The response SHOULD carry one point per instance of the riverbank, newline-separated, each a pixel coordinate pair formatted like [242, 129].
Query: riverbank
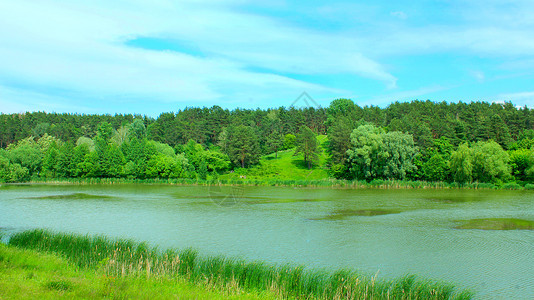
[29, 274]
[131, 262]
[329, 183]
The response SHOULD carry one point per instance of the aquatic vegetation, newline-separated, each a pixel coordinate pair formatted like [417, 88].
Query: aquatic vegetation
[497, 224]
[127, 258]
[454, 198]
[74, 196]
[266, 200]
[344, 213]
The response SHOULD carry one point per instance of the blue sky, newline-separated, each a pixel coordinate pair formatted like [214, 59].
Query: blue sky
[149, 57]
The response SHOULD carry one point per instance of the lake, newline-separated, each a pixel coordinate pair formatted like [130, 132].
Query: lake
[389, 232]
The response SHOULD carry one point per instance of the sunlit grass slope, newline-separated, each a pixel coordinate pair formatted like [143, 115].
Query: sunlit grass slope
[286, 166]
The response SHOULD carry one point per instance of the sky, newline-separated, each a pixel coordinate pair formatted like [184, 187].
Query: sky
[149, 57]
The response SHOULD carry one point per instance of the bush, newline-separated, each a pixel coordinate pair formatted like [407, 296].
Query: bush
[511, 186]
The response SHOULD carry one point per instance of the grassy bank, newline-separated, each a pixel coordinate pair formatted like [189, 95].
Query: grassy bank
[28, 274]
[329, 183]
[124, 259]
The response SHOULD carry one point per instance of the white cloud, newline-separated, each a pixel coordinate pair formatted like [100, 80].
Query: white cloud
[399, 14]
[478, 75]
[80, 47]
[519, 99]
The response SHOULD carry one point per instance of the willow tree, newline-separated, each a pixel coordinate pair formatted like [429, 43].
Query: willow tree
[376, 154]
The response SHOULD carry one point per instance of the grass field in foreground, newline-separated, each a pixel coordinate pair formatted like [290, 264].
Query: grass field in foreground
[128, 261]
[28, 274]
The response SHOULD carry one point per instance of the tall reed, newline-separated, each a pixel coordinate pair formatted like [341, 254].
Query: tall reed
[327, 182]
[119, 257]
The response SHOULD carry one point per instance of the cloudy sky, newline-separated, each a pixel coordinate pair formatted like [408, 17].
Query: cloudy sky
[157, 56]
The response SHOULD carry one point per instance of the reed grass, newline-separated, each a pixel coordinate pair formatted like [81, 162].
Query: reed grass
[119, 257]
[330, 183]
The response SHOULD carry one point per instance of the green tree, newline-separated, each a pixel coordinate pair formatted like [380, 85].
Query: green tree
[121, 135]
[289, 141]
[499, 131]
[137, 129]
[307, 145]
[339, 139]
[401, 151]
[436, 168]
[274, 138]
[490, 162]
[243, 147]
[366, 156]
[376, 154]
[522, 163]
[216, 161]
[28, 154]
[461, 164]
[203, 170]
[12, 172]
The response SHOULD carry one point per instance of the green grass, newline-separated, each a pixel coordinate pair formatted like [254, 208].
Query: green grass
[28, 274]
[497, 224]
[137, 261]
[286, 167]
[233, 179]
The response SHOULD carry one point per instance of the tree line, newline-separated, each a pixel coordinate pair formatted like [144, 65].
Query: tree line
[418, 140]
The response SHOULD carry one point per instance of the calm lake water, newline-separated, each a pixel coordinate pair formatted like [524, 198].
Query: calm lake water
[392, 232]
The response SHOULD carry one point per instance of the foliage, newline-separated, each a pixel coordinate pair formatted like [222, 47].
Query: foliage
[243, 147]
[307, 145]
[376, 154]
[522, 164]
[483, 162]
[49, 145]
[461, 164]
[490, 162]
[289, 141]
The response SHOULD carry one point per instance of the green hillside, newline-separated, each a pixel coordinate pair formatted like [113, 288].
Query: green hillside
[286, 166]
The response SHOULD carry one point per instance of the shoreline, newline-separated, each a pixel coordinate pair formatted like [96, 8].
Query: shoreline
[326, 183]
[127, 259]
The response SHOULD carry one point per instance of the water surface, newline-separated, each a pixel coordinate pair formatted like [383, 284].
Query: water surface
[392, 232]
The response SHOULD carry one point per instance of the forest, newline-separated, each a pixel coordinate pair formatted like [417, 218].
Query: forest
[418, 140]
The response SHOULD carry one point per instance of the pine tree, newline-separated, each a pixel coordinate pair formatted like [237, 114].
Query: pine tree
[307, 145]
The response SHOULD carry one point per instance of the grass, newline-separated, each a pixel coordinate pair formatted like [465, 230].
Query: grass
[235, 181]
[125, 259]
[497, 224]
[28, 274]
[286, 167]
